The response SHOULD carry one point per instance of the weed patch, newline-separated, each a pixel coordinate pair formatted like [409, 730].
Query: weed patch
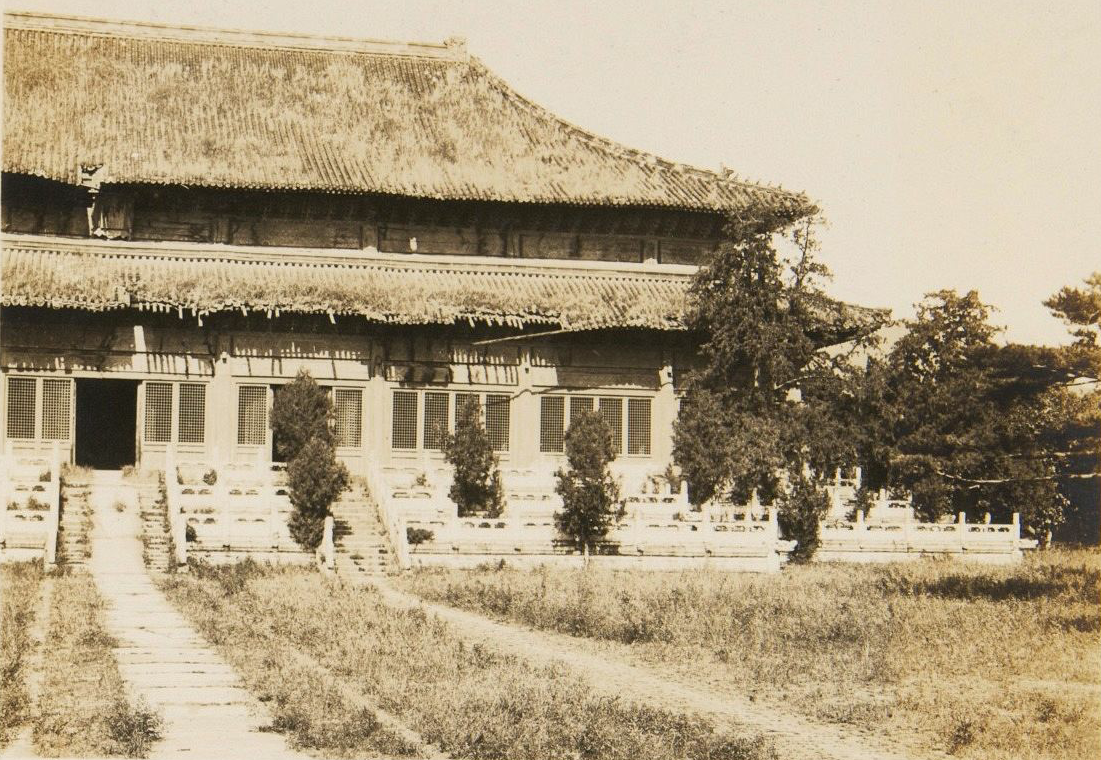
[900, 649]
[19, 589]
[84, 708]
[471, 701]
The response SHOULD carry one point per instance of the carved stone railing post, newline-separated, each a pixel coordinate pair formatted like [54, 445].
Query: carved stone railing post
[327, 550]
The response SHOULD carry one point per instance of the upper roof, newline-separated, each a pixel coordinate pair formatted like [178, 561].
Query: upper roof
[203, 107]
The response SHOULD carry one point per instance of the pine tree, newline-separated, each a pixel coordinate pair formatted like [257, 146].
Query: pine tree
[589, 493]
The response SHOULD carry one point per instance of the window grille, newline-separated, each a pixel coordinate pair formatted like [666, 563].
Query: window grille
[436, 408]
[638, 426]
[158, 412]
[579, 405]
[57, 406]
[497, 420]
[252, 415]
[404, 420]
[552, 412]
[611, 409]
[21, 405]
[191, 426]
[464, 401]
[348, 403]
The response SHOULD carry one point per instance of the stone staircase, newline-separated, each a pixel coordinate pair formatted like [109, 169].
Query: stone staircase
[74, 545]
[154, 529]
[362, 545]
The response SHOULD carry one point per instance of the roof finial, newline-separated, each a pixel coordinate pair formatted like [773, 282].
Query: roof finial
[456, 43]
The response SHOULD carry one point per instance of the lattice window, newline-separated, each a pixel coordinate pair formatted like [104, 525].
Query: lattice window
[404, 433]
[611, 409]
[638, 426]
[191, 427]
[579, 405]
[252, 415]
[57, 407]
[348, 404]
[436, 411]
[464, 401]
[497, 420]
[158, 412]
[21, 406]
[552, 413]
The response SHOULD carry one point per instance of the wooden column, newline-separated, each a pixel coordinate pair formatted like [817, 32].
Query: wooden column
[664, 414]
[222, 406]
[524, 415]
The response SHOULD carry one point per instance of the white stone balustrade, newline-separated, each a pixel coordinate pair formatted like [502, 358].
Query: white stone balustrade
[246, 508]
[862, 540]
[30, 501]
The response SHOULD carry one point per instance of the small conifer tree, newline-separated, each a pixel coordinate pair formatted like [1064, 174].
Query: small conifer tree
[316, 479]
[301, 411]
[301, 420]
[477, 483]
[801, 511]
[589, 493]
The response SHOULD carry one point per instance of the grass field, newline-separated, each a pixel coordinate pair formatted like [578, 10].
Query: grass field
[19, 589]
[83, 707]
[982, 662]
[280, 627]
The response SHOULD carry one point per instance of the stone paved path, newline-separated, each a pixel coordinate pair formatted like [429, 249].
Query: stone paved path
[795, 737]
[206, 710]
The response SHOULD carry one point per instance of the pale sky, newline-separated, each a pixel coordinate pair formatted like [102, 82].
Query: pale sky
[949, 144]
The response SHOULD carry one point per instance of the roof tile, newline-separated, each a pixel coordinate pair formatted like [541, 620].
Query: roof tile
[178, 107]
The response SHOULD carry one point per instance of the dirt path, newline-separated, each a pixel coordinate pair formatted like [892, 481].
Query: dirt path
[795, 737]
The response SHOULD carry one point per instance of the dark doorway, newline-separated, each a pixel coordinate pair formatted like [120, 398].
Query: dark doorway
[106, 423]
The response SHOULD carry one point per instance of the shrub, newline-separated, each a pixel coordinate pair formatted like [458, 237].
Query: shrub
[133, 728]
[417, 536]
[477, 482]
[210, 477]
[315, 479]
[801, 510]
[189, 533]
[301, 421]
[301, 412]
[587, 489]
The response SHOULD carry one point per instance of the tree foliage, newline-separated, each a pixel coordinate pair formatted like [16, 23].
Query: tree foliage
[802, 507]
[315, 480]
[589, 493]
[300, 411]
[301, 421]
[1080, 308]
[948, 414]
[767, 399]
[967, 425]
[476, 486]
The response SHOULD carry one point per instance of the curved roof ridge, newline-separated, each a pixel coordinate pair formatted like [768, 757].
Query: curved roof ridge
[212, 35]
[618, 149]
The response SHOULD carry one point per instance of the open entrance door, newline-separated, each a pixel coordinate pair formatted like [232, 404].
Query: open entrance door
[106, 423]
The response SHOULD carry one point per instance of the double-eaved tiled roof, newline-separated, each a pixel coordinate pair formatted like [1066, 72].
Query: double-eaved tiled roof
[152, 104]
